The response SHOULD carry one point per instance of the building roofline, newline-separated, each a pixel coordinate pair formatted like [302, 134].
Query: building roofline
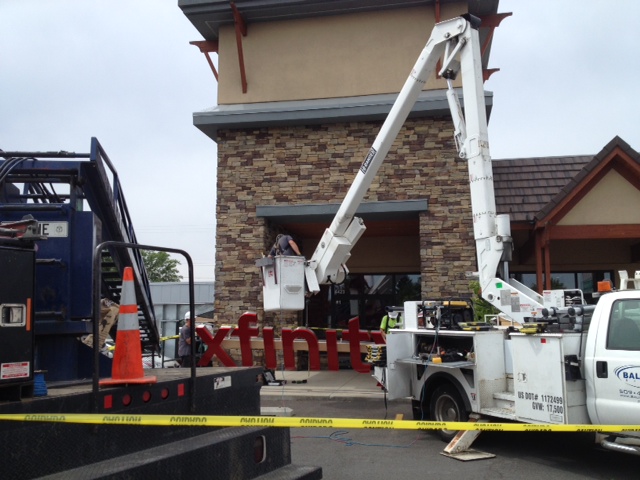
[598, 164]
[207, 16]
[431, 103]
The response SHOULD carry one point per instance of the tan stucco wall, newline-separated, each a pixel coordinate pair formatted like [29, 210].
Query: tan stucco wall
[327, 57]
[612, 201]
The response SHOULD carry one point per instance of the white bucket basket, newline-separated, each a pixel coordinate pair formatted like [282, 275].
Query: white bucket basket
[283, 283]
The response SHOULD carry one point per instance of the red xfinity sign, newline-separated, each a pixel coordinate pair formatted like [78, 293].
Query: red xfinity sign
[247, 329]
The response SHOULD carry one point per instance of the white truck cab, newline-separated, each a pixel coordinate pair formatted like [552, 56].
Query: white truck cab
[612, 359]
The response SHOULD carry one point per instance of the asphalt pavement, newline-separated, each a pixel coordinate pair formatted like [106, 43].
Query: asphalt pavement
[408, 454]
[384, 454]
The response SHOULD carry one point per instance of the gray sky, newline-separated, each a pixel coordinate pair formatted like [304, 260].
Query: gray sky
[123, 71]
[568, 79]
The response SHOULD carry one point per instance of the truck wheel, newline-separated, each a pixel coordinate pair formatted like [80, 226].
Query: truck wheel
[447, 406]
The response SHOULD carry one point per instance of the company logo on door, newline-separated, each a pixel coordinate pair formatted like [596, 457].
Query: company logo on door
[629, 374]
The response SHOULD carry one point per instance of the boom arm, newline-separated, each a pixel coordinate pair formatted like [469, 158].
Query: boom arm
[492, 232]
[456, 41]
[327, 263]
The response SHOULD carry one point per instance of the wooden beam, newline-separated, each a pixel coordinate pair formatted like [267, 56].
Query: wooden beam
[592, 232]
[547, 266]
[490, 22]
[539, 264]
[207, 47]
[487, 72]
[241, 31]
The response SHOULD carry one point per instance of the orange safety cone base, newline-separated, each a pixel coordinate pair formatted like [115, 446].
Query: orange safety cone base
[133, 381]
[127, 357]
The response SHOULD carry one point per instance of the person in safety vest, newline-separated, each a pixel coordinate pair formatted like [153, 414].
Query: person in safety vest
[392, 319]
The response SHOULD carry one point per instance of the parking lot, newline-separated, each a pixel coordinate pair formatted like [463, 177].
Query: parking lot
[380, 454]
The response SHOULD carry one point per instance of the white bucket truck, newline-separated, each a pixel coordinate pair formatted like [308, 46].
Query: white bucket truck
[551, 365]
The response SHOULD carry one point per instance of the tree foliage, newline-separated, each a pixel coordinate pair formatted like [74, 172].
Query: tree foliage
[161, 267]
[480, 306]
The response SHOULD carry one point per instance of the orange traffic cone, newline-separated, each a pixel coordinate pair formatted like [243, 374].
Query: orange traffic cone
[127, 357]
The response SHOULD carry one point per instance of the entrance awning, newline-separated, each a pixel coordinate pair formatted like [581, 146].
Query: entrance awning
[389, 218]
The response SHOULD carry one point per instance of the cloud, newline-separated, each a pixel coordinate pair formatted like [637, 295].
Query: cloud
[124, 72]
[567, 80]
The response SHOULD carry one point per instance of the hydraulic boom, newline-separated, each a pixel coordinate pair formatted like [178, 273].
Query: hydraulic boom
[456, 44]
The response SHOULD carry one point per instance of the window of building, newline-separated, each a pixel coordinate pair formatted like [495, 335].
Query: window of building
[585, 281]
[368, 295]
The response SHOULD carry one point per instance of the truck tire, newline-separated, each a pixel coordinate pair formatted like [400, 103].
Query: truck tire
[447, 406]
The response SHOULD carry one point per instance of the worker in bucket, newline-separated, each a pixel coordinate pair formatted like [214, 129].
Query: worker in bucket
[285, 245]
[184, 342]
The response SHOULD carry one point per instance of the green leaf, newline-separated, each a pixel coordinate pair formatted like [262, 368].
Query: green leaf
[160, 266]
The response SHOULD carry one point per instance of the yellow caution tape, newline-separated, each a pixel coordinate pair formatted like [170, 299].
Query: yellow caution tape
[172, 337]
[302, 422]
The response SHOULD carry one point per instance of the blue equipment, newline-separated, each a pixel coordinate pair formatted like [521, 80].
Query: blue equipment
[78, 203]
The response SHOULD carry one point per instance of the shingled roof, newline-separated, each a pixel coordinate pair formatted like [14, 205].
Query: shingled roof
[524, 186]
[529, 189]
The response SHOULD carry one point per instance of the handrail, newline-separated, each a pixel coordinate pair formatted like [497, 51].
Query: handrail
[119, 205]
[97, 269]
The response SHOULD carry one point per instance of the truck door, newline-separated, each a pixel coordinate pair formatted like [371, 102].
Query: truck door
[614, 372]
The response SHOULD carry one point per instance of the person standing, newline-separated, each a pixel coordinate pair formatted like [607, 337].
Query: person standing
[184, 342]
[390, 320]
[285, 245]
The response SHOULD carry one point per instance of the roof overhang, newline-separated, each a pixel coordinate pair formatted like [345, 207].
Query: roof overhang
[207, 16]
[311, 213]
[431, 103]
[392, 218]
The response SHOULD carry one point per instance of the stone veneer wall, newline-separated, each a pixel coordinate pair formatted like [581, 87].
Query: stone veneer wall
[316, 164]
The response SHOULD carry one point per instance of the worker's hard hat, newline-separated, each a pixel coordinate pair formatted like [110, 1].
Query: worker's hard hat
[187, 315]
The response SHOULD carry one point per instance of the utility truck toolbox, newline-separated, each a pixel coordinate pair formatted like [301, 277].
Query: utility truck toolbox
[283, 283]
[547, 387]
